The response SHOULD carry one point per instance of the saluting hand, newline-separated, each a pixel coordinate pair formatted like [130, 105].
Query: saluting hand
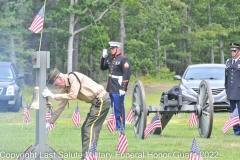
[105, 54]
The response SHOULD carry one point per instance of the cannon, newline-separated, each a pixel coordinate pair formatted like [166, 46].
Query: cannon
[171, 103]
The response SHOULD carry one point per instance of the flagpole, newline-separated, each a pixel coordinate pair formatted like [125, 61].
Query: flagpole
[97, 28]
[43, 24]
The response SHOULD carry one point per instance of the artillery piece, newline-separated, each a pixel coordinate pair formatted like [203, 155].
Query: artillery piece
[171, 102]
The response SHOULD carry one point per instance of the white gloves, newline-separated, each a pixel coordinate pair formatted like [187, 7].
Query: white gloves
[121, 92]
[47, 93]
[47, 126]
[104, 53]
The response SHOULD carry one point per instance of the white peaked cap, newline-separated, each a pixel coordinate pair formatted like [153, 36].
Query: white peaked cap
[115, 44]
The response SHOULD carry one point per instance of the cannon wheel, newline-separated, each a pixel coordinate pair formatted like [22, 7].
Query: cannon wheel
[205, 109]
[139, 113]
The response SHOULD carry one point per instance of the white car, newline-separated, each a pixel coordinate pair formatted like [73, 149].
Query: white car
[214, 74]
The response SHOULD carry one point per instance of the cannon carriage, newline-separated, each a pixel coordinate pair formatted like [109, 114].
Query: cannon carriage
[171, 103]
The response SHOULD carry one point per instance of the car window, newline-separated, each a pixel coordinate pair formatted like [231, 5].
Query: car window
[205, 73]
[15, 69]
[6, 73]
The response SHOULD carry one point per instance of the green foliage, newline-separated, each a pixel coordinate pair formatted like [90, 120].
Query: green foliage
[166, 74]
[157, 33]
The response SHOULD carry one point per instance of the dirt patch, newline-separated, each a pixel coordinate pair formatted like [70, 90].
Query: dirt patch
[149, 88]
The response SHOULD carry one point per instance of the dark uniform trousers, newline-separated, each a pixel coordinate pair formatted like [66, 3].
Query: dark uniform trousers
[232, 86]
[94, 121]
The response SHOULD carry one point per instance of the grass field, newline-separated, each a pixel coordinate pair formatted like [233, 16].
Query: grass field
[174, 143]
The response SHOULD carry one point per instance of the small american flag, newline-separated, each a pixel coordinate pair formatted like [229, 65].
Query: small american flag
[26, 114]
[155, 123]
[129, 116]
[76, 117]
[232, 121]
[48, 116]
[195, 151]
[122, 142]
[92, 152]
[37, 24]
[193, 119]
[111, 122]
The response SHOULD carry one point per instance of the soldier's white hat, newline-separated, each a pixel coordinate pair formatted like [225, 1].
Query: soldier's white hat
[234, 46]
[114, 44]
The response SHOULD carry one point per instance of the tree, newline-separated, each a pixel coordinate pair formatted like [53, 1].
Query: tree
[74, 19]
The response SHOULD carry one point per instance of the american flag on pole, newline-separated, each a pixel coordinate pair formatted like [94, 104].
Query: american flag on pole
[37, 24]
[92, 152]
[129, 116]
[48, 116]
[155, 123]
[76, 117]
[232, 121]
[122, 142]
[111, 122]
[195, 151]
[26, 114]
[193, 119]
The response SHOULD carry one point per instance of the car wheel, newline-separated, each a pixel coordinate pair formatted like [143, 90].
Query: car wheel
[17, 105]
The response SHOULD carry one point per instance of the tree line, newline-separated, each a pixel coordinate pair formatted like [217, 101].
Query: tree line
[157, 34]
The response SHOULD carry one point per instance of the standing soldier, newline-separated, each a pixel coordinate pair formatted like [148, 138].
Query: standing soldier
[119, 75]
[232, 81]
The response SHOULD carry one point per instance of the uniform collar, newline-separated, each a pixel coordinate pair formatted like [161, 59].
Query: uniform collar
[236, 59]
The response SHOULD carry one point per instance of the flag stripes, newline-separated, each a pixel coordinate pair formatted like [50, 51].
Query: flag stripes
[76, 117]
[26, 114]
[129, 116]
[48, 116]
[92, 152]
[37, 24]
[155, 123]
[111, 123]
[122, 142]
[195, 151]
[193, 119]
[232, 121]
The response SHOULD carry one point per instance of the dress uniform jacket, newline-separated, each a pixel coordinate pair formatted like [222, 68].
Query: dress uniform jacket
[119, 72]
[232, 79]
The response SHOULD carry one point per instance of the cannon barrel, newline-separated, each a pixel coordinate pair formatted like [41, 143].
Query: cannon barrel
[174, 92]
[172, 98]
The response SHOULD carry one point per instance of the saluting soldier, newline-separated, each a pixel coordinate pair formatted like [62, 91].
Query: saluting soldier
[232, 81]
[119, 76]
[76, 85]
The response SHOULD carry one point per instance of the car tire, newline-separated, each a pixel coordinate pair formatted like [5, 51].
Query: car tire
[17, 105]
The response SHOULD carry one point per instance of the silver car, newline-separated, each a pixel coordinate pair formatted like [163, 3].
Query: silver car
[214, 74]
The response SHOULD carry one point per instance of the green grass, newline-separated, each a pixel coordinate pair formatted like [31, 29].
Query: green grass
[174, 143]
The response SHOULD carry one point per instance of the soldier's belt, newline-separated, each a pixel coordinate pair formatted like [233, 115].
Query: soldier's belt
[113, 76]
[118, 77]
[95, 101]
